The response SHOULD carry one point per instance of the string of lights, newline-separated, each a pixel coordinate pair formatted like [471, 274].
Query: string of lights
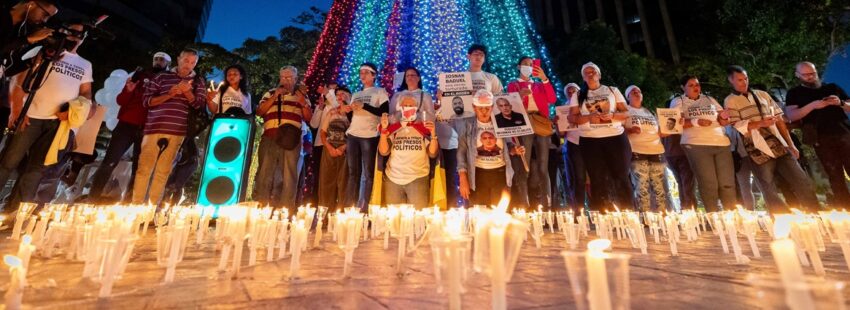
[327, 59]
[431, 35]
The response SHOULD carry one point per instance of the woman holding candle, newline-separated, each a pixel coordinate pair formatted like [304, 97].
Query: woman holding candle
[648, 164]
[600, 110]
[232, 93]
[409, 145]
[537, 98]
[483, 164]
[706, 145]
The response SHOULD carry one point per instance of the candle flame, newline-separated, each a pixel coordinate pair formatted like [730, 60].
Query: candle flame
[598, 245]
[12, 261]
[504, 201]
[782, 227]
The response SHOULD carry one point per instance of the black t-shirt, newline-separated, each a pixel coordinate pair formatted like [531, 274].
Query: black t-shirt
[12, 43]
[826, 120]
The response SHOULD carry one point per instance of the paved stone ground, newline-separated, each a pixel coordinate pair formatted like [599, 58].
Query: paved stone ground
[702, 277]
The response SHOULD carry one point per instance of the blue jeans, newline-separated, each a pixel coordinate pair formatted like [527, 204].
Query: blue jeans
[360, 154]
[538, 171]
[32, 142]
[787, 168]
[273, 158]
[415, 192]
[123, 137]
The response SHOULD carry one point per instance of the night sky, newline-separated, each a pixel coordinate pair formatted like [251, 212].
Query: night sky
[232, 21]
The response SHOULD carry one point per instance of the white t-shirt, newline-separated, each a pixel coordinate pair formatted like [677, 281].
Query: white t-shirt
[706, 108]
[489, 149]
[363, 123]
[408, 156]
[61, 85]
[232, 98]
[486, 80]
[602, 100]
[648, 141]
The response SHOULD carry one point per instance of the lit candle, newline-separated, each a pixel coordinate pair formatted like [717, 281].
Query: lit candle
[15, 293]
[598, 294]
[498, 279]
[25, 250]
[785, 256]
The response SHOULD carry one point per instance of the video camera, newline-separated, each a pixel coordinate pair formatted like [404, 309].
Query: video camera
[58, 42]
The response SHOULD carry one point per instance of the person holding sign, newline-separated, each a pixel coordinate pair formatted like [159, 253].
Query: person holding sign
[476, 55]
[575, 163]
[482, 162]
[537, 98]
[365, 110]
[648, 164]
[409, 145]
[600, 111]
[706, 144]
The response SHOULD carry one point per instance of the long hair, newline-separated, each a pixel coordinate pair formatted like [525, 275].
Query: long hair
[404, 83]
[243, 84]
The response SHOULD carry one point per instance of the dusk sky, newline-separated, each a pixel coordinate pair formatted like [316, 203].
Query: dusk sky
[232, 21]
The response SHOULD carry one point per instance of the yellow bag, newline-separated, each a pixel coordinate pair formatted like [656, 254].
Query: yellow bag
[541, 125]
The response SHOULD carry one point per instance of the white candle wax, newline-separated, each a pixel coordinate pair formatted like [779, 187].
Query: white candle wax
[497, 266]
[598, 295]
[791, 272]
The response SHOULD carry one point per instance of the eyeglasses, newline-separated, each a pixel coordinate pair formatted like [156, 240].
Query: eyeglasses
[49, 15]
[810, 74]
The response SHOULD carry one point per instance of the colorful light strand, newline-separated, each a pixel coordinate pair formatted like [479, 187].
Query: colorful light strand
[431, 35]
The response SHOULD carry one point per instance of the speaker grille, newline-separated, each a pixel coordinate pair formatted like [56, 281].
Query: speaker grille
[219, 190]
[227, 149]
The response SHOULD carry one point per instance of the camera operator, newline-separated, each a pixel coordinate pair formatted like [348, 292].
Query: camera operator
[18, 23]
[69, 77]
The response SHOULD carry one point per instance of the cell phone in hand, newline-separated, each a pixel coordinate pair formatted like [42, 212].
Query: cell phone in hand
[535, 62]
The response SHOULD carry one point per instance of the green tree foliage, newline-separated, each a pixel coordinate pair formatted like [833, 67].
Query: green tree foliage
[599, 43]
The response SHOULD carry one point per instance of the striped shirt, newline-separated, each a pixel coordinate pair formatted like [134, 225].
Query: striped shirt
[289, 112]
[742, 109]
[170, 117]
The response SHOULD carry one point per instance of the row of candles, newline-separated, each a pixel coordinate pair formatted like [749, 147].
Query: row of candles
[104, 238]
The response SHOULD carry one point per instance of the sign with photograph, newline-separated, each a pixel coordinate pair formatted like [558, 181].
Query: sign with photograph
[510, 116]
[669, 121]
[457, 95]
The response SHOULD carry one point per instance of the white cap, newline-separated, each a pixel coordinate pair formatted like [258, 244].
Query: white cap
[566, 88]
[163, 55]
[482, 98]
[630, 89]
[591, 65]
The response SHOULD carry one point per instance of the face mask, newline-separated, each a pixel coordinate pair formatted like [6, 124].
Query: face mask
[408, 114]
[526, 70]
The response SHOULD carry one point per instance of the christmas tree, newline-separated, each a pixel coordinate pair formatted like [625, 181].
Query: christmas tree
[431, 35]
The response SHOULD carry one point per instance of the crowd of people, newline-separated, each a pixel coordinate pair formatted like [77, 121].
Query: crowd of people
[373, 142]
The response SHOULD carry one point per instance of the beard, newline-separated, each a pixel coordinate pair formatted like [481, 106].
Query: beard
[458, 110]
[816, 84]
